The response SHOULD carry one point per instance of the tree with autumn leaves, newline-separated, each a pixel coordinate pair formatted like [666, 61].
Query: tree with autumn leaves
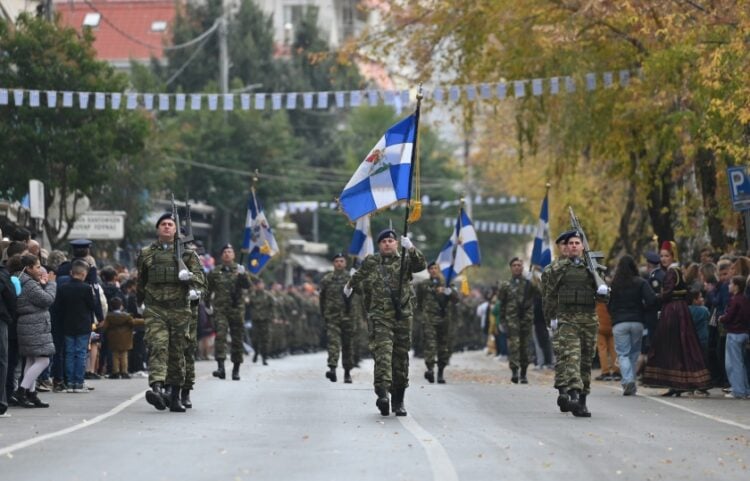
[640, 162]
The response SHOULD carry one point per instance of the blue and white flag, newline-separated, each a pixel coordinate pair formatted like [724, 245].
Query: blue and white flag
[383, 178]
[258, 243]
[541, 255]
[362, 245]
[461, 250]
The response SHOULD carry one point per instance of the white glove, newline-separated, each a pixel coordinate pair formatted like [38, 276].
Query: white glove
[184, 275]
[141, 308]
[447, 291]
[240, 269]
[194, 295]
[406, 243]
[347, 290]
[553, 324]
[603, 290]
[209, 310]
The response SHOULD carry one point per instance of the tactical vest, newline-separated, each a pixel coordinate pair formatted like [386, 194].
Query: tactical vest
[576, 291]
[163, 284]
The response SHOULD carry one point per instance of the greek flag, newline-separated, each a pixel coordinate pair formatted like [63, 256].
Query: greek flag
[362, 245]
[258, 243]
[382, 179]
[461, 250]
[541, 255]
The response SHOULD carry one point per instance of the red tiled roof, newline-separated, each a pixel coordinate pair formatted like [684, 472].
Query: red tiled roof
[133, 17]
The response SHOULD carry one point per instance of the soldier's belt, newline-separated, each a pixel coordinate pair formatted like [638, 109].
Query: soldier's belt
[167, 304]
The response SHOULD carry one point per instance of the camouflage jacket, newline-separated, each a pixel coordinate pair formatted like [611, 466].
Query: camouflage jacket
[157, 276]
[225, 286]
[333, 302]
[516, 298]
[432, 303]
[262, 306]
[378, 280]
[568, 287]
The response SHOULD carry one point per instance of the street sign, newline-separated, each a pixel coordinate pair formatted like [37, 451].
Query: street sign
[739, 187]
[99, 225]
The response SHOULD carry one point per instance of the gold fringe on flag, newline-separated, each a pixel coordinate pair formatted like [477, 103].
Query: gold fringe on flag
[465, 288]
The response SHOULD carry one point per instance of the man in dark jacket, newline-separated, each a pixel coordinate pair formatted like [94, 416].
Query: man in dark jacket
[75, 304]
[7, 317]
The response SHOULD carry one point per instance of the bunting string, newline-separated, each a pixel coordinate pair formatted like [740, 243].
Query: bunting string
[398, 99]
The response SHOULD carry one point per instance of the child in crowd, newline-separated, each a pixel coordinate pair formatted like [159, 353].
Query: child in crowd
[118, 328]
[736, 321]
[700, 316]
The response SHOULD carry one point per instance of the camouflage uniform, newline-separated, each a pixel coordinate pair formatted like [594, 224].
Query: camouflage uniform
[554, 266]
[433, 308]
[337, 313]
[262, 310]
[377, 280]
[516, 299]
[191, 346]
[225, 286]
[569, 297]
[167, 315]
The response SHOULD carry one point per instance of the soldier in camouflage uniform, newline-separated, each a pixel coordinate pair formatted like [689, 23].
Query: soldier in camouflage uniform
[570, 295]
[225, 285]
[390, 316]
[516, 298]
[336, 309]
[167, 290]
[262, 311]
[433, 306]
[191, 347]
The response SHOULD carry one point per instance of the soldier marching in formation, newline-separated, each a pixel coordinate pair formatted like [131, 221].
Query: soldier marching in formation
[384, 280]
[336, 309]
[516, 298]
[569, 296]
[166, 289]
[225, 285]
[433, 308]
[263, 311]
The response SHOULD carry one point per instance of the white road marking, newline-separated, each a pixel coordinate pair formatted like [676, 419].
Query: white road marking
[86, 423]
[440, 462]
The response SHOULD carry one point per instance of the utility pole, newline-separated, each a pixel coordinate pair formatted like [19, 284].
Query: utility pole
[224, 85]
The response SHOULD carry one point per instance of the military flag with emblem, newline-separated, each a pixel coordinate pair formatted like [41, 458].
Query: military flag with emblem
[258, 244]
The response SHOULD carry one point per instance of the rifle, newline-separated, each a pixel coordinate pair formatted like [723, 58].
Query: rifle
[178, 247]
[188, 237]
[587, 257]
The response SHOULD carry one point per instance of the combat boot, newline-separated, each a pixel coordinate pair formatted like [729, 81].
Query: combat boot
[174, 401]
[331, 374]
[441, 371]
[155, 396]
[382, 403]
[397, 402]
[220, 372]
[563, 400]
[514, 375]
[185, 398]
[581, 411]
[347, 377]
[573, 394]
[429, 374]
[523, 379]
[236, 371]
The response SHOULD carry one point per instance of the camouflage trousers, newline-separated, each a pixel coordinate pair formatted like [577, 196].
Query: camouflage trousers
[262, 336]
[166, 338]
[575, 350]
[229, 319]
[437, 341]
[390, 341]
[191, 346]
[519, 335]
[340, 334]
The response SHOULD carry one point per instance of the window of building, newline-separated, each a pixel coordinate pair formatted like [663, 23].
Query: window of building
[92, 19]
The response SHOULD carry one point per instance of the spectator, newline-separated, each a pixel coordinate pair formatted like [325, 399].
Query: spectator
[605, 346]
[34, 327]
[736, 321]
[717, 300]
[14, 268]
[8, 316]
[631, 296]
[75, 304]
[118, 329]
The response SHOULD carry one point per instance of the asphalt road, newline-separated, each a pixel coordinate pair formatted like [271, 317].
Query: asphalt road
[287, 422]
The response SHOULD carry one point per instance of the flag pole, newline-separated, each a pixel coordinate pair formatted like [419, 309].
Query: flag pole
[408, 200]
[547, 187]
[254, 181]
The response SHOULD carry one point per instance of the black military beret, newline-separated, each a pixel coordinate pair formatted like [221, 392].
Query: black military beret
[652, 257]
[433, 263]
[387, 234]
[166, 215]
[562, 238]
[225, 247]
[80, 243]
[338, 255]
[514, 260]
